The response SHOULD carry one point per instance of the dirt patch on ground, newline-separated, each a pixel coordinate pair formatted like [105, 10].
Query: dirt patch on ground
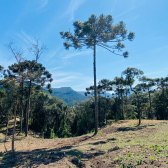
[121, 144]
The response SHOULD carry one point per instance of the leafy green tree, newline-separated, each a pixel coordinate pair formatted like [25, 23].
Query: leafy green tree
[19, 70]
[84, 117]
[18, 56]
[104, 85]
[118, 87]
[158, 105]
[162, 84]
[130, 74]
[2, 96]
[64, 129]
[8, 93]
[126, 99]
[36, 73]
[38, 76]
[53, 115]
[147, 85]
[39, 111]
[100, 92]
[138, 90]
[49, 115]
[98, 31]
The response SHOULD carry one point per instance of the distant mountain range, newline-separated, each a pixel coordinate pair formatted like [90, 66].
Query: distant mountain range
[68, 95]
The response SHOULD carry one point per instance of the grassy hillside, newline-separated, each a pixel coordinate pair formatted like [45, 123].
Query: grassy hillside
[122, 144]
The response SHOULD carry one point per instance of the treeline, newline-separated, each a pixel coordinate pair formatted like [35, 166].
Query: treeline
[50, 117]
[134, 96]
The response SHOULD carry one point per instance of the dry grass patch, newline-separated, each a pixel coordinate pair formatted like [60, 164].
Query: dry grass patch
[122, 143]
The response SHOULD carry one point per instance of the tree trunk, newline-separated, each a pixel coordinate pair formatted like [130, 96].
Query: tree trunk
[7, 129]
[122, 104]
[21, 110]
[150, 104]
[118, 106]
[105, 109]
[164, 111]
[126, 104]
[57, 122]
[99, 106]
[15, 108]
[0, 114]
[95, 89]
[139, 112]
[26, 119]
[13, 136]
[27, 110]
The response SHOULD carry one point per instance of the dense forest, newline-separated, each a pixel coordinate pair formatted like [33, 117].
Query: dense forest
[50, 117]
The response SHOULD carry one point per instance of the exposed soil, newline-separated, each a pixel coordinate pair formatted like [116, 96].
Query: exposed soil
[121, 144]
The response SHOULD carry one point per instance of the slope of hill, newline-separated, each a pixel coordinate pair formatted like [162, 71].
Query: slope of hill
[67, 94]
[122, 144]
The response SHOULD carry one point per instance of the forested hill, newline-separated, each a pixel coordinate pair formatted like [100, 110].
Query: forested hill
[68, 95]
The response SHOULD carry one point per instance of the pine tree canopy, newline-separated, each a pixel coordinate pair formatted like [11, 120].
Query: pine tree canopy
[99, 30]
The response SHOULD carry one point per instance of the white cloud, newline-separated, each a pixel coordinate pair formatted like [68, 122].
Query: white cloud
[114, 5]
[76, 54]
[158, 50]
[64, 80]
[74, 80]
[154, 73]
[55, 68]
[59, 74]
[73, 6]
[79, 83]
[30, 39]
[24, 38]
[53, 53]
[135, 17]
[45, 2]
[125, 12]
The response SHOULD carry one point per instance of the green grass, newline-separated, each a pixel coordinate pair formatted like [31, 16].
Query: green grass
[152, 158]
[21, 134]
[135, 146]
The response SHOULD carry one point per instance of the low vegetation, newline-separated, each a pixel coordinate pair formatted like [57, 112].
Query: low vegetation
[121, 144]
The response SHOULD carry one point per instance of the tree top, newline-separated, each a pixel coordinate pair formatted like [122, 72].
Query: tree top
[99, 31]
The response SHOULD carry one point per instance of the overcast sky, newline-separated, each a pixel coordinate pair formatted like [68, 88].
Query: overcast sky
[23, 20]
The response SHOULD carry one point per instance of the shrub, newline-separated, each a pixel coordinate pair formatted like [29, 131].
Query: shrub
[52, 134]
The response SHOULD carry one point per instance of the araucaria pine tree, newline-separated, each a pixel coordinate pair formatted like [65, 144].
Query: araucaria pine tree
[98, 31]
